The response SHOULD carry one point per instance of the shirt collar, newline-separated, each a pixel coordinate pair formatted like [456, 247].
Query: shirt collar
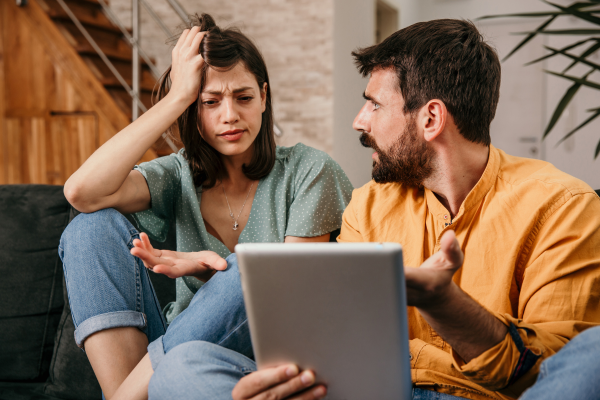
[483, 186]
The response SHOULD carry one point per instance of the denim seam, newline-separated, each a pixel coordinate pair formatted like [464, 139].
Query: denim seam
[233, 331]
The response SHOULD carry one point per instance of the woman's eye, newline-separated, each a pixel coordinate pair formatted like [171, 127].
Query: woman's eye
[245, 98]
[209, 102]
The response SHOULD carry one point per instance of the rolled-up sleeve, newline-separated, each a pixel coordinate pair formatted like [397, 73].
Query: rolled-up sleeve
[559, 296]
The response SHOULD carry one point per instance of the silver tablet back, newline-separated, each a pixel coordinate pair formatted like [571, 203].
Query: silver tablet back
[336, 308]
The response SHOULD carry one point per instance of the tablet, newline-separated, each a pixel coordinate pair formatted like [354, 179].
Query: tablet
[336, 308]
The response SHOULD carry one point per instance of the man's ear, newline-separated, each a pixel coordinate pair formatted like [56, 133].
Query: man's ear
[263, 97]
[434, 115]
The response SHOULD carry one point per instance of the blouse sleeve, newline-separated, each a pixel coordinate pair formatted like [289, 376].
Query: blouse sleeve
[163, 176]
[321, 192]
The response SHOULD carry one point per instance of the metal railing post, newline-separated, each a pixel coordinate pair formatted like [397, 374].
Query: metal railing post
[179, 10]
[135, 64]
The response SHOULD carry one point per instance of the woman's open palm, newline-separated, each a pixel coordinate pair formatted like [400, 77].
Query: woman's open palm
[175, 264]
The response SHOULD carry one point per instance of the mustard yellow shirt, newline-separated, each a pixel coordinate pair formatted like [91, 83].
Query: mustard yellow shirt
[531, 238]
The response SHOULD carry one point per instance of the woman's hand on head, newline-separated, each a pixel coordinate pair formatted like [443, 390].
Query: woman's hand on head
[175, 264]
[186, 66]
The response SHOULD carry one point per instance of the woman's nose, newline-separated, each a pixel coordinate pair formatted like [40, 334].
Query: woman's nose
[230, 113]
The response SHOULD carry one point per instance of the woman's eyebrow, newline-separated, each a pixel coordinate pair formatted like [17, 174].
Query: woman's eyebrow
[218, 92]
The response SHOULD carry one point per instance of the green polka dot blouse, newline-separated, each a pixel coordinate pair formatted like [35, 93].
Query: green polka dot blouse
[304, 195]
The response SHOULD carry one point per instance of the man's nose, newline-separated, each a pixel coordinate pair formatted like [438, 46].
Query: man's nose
[362, 122]
[230, 112]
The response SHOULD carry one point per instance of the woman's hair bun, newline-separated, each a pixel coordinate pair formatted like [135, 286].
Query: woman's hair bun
[204, 21]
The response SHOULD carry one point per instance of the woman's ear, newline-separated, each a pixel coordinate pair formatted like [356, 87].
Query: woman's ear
[263, 97]
[434, 119]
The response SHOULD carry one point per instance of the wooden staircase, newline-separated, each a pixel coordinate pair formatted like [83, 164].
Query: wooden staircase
[58, 99]
[114, 45]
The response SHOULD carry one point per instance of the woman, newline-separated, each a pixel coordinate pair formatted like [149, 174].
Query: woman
[229, 185]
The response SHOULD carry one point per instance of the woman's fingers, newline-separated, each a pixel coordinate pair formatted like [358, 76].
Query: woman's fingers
[181, 39]
[190, 37]
[195, 46]
[211, 260]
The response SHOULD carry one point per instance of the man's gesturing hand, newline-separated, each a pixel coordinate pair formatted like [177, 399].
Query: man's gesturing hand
[430, 284]
[175, 264]
[467, 326]
[279, 383]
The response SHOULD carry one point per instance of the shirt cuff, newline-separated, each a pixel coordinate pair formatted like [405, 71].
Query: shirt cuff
[502, 366]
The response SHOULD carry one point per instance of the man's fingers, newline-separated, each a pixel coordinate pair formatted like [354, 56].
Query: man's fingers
[257, 383]
[297, 388]
[451, 248]
[315, 393]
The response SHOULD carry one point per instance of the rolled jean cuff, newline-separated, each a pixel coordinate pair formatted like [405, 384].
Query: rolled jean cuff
[116, 319]
[156, 351]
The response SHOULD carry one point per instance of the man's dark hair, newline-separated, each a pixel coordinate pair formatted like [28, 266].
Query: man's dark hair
[444, 59]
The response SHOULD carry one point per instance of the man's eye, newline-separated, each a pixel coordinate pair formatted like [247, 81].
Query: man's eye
[209, 102]
[375, 106]
[246, 98]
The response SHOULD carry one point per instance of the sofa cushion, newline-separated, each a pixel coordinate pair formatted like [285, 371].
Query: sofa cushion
[33, 218]
[71, 374]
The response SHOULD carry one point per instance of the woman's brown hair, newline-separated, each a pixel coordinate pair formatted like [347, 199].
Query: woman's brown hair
[223, 49]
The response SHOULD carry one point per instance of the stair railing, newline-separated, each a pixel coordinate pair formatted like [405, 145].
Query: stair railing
[137, 51]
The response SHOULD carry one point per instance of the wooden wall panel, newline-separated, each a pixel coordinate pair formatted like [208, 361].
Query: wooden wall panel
[53, 112]
[3, 147]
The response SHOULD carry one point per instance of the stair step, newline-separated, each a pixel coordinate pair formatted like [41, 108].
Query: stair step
[90, 15]
[112, 82]
[124, 101]
[101, 71]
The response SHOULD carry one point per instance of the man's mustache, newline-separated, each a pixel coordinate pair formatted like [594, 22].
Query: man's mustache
[368, 141]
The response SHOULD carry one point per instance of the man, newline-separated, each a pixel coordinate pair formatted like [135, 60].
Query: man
[530, 234]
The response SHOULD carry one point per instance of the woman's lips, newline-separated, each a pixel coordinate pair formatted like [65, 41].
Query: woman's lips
[232, 135]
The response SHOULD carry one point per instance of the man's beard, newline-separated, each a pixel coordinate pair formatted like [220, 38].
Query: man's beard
[408, 161]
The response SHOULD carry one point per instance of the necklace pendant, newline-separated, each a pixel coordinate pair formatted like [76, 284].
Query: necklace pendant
[235, 226]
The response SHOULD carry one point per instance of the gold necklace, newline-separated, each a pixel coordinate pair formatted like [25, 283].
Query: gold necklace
[235, 220]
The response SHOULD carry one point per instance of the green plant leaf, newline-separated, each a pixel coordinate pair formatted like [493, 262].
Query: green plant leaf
[569, 47]
[526, 15]
[576, 13]
[577, 59]
[590, 50]
[578, 127]
[528, 38]
[584, 82]
[562, 32]
[560, 108]
[578, 5]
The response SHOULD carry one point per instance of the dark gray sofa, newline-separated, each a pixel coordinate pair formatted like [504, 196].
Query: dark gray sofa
[38, 355]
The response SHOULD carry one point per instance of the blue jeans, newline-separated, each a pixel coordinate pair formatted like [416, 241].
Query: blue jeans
[201, 370]
[204, 371]
[110, 288]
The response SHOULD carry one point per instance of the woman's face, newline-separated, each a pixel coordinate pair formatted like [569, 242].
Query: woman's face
[231, 107]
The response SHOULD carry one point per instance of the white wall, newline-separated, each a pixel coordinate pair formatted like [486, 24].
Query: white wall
[354, 27]
[528, 96]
